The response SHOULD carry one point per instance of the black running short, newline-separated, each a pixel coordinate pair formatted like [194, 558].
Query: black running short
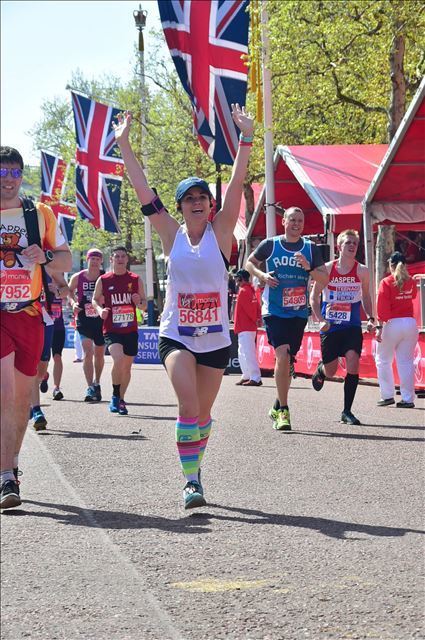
[337, 343]
[48, 336]
[58, 341]
[285, 331]
[218, 359]
[129, 341]
[91, 329]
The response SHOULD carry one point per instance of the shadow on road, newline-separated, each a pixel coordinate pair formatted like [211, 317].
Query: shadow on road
[359, 436]
[100, 519]
[332, 528]
[92, 436]
[198, 521]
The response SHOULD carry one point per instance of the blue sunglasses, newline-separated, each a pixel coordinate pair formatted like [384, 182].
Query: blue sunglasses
[15, 173]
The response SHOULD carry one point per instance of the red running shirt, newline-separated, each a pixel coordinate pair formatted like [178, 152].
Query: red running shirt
[117, 292]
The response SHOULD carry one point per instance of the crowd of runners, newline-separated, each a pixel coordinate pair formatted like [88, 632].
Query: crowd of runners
[194, 332]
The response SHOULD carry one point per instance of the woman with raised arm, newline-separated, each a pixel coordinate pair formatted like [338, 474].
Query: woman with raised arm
[194, 338]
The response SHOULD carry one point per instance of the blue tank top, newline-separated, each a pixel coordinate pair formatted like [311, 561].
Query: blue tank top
[289, 299]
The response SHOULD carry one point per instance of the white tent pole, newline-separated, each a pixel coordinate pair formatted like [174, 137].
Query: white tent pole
[268, 127]
[369, 252]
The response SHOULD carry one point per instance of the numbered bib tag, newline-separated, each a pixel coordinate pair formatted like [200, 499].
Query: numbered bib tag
[294, 297]
[90, 311]
[56, 310]
[15, 289]
[338, 312]
[122, 315]
[199, 313]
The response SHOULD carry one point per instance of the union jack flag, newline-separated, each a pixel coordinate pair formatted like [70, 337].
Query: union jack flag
[99, 166]
[207, 41]
[54, 171]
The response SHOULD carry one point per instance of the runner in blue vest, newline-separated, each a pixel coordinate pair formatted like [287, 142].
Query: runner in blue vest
[289, 262]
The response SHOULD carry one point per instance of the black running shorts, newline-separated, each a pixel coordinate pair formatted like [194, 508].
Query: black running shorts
[337, 343]
[48, 336]
[58, 341]
[285, 331]
[129, 341]
[218, 359]
[91, 329]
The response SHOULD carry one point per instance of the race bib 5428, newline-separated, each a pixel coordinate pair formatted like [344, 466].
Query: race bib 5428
[338, 312]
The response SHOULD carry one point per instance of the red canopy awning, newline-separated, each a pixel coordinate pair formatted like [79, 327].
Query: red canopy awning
[397, 192]
[328, 182]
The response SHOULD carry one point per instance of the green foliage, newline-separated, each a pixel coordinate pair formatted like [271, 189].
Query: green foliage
[330, 67]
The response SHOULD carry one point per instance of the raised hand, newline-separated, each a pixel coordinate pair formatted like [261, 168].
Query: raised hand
[242, 120]
[122, 128]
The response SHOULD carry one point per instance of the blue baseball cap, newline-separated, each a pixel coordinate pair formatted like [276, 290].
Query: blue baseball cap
[188, 183]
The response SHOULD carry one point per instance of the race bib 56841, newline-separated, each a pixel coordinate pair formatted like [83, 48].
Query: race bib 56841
[199, 313]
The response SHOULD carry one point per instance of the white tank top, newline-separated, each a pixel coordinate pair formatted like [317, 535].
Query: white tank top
[195, 311]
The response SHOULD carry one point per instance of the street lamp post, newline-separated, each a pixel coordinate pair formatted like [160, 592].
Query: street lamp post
[140, 22]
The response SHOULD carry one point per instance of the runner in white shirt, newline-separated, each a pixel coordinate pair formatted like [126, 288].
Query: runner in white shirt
[194, 333]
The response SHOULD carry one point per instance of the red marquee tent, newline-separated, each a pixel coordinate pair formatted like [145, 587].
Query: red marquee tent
[328, 182]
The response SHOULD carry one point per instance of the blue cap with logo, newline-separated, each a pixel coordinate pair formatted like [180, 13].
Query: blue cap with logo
[188, 183]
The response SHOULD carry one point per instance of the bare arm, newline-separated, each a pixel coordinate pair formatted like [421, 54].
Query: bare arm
[72, 286]
[253, 266]
[139, 298]
[62, 258]
[58, 286]
[225, 221]
[98, 300]
[366, 298]
[164, 224]
[320, 276]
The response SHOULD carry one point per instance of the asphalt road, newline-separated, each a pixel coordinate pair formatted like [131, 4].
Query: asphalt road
[317, 533]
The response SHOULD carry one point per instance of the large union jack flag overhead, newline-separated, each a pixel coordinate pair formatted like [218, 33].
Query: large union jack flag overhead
[206, 40]
[54, 171]
[99, 166]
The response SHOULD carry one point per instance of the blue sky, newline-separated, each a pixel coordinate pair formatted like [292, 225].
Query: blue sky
[42, 43]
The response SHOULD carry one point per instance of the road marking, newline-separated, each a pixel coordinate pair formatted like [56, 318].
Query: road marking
[160, 617]
[213, 585]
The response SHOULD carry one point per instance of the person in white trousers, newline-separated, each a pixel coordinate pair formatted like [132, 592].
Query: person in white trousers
[396, 333]
[247, 319]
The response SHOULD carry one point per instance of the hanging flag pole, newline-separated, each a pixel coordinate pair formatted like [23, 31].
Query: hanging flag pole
[268, 127]
[140, 20]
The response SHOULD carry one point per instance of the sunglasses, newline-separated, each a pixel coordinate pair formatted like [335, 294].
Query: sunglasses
[15, 173]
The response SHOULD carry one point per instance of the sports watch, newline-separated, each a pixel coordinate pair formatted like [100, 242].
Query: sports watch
[49, 255]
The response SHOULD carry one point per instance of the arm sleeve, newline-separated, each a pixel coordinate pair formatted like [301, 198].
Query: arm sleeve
[264, 250]
[52, 237]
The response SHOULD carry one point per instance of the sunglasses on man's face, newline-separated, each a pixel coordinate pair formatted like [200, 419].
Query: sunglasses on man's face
[15, 173]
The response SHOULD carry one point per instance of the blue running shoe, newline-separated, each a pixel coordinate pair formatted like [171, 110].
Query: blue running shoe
[122, 408]
[114, 404]
[90, 394]
[192, 494]
[39, 420]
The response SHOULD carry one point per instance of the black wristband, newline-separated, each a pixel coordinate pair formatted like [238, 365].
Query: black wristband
[155, 206]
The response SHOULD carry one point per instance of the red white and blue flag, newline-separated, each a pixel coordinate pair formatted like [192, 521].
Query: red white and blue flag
[207, 40]
[54, 171]
[99, 166]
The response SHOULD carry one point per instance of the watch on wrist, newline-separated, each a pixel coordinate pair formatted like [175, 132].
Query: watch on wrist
[49, 255]
[371, 319]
